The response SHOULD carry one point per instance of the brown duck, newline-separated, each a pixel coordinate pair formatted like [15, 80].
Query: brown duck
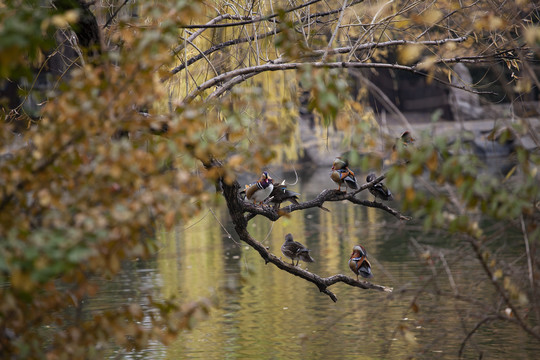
[295, 251]
[359, 263]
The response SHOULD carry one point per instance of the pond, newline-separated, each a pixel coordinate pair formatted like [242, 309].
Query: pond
[261, 312]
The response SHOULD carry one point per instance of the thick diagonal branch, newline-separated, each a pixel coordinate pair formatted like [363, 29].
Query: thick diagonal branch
[320, 282]
[236, 209]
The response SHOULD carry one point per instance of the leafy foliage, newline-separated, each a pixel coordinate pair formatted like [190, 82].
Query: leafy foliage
[121, 137]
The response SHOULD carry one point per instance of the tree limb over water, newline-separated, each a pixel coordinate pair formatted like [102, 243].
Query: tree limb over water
[237, 207]
[325, 195]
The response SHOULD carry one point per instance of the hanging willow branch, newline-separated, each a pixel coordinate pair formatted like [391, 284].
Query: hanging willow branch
[274, 31]
[215, 81]
[237, 208]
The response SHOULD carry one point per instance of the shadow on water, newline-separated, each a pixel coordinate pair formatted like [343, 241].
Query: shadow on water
[262, 312]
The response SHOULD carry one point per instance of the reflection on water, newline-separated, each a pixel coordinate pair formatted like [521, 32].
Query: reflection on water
[262, 312]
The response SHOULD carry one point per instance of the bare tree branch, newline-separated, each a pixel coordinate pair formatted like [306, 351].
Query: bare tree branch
[196, 34]
[294, 66]
[331, 41]
[217, 47]
[515, 314]
[383, 98]
[482, 322]
[109, 21]
[220, 46]
[340, 50]
[326, 195]
[251, 20]
[320, 282]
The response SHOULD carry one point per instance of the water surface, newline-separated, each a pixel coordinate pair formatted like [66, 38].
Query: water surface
[261, 312]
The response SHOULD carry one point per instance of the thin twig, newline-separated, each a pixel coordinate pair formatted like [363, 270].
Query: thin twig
[516, 315]
[250, 20]
[530, 266]
[114, 15]
[331, 41]
[449, 273]
[482, 322]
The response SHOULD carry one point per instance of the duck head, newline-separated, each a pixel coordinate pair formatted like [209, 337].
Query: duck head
[339, 164]
[407, 138]
[265, 180]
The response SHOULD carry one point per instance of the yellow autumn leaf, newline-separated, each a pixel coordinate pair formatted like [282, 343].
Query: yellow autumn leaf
[169, 219]
[236, 161]
[431, 16]
[21, 280]
[409, 53]
[44, 197]
[523, 86]
[114, 263]
[433, 161]
[532, 35]
[410, 194]
[115, 171]
[61, 21]
[495, 23]
[427, 63]
[401, 22]
[407, 334]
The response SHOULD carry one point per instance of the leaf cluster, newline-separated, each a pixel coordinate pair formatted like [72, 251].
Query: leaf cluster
[120, 139]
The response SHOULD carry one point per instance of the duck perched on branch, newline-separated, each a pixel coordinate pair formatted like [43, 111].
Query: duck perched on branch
[359, 263]
[405, 140]
[260, 190]
[280, 193]
[342, 175]
[295, 251]
[379, 190]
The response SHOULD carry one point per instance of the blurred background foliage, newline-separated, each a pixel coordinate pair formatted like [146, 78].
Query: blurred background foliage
[117, 103]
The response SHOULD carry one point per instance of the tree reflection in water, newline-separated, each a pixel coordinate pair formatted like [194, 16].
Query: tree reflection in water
[440, 292]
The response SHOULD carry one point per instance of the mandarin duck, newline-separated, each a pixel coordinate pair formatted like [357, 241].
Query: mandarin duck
[280, 193]
[295, 251]
[259, 191]
[405, 139]
[359, 263]
[342, 175]
[398, 155]
[379, 190]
